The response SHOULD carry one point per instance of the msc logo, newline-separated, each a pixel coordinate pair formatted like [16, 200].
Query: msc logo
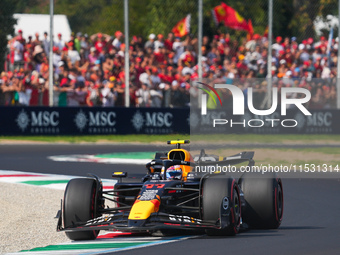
[40, 119]
[151, 120]
[45, 118]
[95, 120]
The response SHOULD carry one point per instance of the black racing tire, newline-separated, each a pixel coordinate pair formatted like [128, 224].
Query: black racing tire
[80, 206]
[263, 196]
[214, 189]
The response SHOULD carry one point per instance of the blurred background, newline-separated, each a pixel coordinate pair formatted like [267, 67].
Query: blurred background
[89, 48]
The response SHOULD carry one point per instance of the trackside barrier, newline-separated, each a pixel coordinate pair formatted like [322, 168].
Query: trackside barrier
[294, 122]
[100, 121]
[92, 121]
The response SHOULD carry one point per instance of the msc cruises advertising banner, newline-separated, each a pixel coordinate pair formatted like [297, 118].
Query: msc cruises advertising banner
[97, 121]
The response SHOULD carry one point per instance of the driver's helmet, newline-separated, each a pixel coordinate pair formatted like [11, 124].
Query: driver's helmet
[174, 173]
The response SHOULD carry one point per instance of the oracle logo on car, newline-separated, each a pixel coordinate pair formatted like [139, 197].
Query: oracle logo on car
[238, 106]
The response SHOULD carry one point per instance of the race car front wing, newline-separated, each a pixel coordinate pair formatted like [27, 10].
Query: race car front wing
[119, 221]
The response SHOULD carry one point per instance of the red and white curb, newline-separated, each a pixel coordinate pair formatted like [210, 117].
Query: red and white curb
[95, 159]
[52, 181]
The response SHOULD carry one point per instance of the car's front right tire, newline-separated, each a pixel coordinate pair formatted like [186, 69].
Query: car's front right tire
[214, 189]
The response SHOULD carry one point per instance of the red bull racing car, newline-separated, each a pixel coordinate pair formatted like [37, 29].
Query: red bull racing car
[174, 196]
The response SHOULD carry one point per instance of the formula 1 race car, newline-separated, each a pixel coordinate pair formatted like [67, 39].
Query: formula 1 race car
[172, 196]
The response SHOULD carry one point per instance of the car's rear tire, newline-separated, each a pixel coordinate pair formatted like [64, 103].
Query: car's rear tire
[80, 206]
[264, 200]
[214, 189]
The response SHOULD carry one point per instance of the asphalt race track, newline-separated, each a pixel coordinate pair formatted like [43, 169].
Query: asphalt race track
[311, 223]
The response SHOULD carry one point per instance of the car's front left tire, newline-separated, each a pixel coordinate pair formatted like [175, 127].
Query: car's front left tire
[80, 205]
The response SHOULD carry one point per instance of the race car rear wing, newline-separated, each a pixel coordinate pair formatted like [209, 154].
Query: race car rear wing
[204, 159]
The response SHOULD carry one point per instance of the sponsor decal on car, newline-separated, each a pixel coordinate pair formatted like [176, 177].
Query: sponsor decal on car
[225, 203]
[184, 219]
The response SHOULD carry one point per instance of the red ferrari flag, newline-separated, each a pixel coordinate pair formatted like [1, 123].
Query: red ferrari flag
[265, 34]
[230, 17]
[250, 27]
[182, 28]
[219, 13]
[250, 30]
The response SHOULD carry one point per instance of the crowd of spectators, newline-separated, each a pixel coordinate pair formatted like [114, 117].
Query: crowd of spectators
[89, 70]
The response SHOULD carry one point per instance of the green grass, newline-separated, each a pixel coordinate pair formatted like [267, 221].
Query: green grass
[97, 138]
[320, 156]
[224, 138]
[321, 150]
[259, 138]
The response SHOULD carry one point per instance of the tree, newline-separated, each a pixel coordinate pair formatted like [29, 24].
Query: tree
[7, 22]
[305, 14]
[290, 17]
